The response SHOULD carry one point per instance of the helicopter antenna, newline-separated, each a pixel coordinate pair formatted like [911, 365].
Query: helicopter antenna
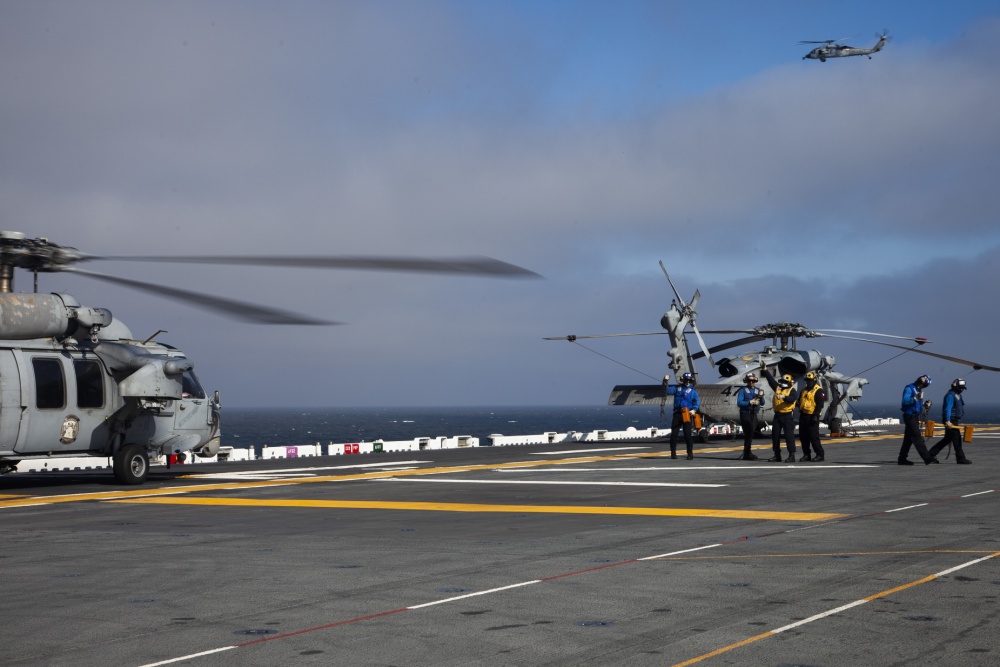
[155, 334]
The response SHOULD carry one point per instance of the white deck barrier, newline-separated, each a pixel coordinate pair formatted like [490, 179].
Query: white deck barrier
[226, 453]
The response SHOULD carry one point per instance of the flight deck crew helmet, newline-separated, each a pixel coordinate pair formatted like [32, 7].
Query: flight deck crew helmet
[923, 381]
[810, 375]
[958, 385]
[749, 377]
[687, 378]
[786, 381]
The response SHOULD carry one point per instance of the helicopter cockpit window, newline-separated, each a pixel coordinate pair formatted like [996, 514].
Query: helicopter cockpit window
[89, 383]
[50, 385]
[191, 387]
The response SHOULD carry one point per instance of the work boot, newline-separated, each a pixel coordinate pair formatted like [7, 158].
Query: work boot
[749, 456]
[807, 457]
[790, 459]
[931, 460]
[819, 457]
[690, 456]
[775, 459]
[673, 455]
[904, 462]
[964, 462]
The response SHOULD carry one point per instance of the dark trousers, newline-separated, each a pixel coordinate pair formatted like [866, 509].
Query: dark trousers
[783, 424]
[677, 424]
[912, 436]
[952, 436]
[809, 434]
[748, 420]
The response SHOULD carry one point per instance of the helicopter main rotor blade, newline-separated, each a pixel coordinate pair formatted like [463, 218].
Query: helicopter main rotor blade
[726, 331]
[248, 312]
[825, 41]
[730, 344]
[676, 293]
[484, 266]
[975, 365]
[572, 338]
[917, 340]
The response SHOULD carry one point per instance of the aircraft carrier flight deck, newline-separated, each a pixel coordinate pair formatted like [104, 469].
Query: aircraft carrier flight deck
[609, 554]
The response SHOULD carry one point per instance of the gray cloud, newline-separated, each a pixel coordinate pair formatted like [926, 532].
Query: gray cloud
[810, 192]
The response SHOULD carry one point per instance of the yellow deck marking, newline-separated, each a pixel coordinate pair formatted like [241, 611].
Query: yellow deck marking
[876, 596]
[724, 649]
[901, 588]
[255, 484]
[474, 507]
[24, 501]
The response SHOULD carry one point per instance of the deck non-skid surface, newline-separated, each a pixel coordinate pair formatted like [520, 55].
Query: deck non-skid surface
[511, 556]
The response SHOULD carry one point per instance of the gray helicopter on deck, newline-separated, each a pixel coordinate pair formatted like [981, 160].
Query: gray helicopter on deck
[74, 381]
[832, 48]
[780, 357]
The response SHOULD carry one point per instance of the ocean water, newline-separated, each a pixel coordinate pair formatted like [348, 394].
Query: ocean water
[243, 427]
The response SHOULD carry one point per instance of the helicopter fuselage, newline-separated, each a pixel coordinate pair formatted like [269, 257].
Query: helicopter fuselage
[91, 389]
[821, 53]
[718, 400]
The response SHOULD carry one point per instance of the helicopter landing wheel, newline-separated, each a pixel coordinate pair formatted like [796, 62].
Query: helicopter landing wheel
[131, 465]
[703, 435]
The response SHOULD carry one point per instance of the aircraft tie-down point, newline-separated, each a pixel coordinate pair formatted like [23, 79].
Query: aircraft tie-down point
[780, 357]
[75, 382]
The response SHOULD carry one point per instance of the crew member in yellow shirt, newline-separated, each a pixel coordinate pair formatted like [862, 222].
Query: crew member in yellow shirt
[783, 402]
[811, 400]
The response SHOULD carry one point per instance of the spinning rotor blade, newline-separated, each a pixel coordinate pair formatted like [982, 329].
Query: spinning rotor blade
[484, 266]
[825, 41]
[240, 310]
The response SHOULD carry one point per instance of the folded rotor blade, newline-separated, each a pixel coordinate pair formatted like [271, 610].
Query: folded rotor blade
[248, 312]
[701, 342]
[676, 293]
[485, 266]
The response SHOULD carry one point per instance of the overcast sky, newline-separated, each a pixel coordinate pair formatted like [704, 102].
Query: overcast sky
[580, 139]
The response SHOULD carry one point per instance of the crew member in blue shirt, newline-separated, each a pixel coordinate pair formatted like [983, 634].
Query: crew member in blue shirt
[913, 397]
[686, 404]
[951, 413]
[749, 399]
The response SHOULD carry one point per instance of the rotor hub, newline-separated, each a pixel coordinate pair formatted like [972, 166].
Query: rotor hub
[20, 252]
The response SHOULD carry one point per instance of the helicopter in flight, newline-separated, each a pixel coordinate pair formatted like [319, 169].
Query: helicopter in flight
[75, 381]
[832, 48]
[780, 357]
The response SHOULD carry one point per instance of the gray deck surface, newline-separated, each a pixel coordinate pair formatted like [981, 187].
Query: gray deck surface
[313, 562]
